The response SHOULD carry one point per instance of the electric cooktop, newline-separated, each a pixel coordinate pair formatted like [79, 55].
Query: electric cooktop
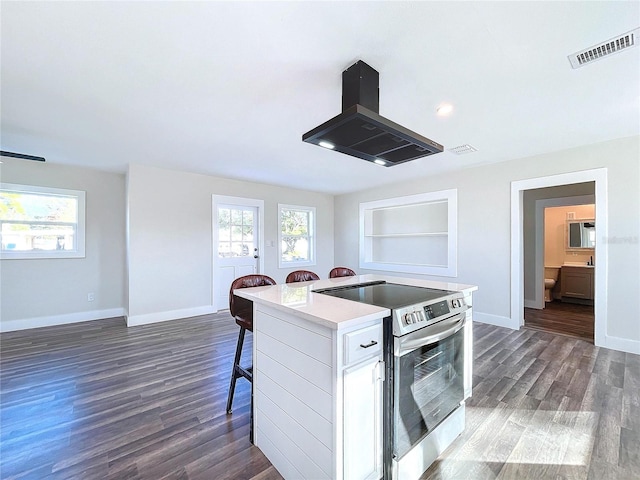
[383, 294]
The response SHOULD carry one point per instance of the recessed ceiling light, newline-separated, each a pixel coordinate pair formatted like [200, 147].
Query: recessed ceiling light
[324, 144]
[379, 162]
[444, 109]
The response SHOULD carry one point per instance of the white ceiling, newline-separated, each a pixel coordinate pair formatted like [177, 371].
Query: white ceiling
[228, 88]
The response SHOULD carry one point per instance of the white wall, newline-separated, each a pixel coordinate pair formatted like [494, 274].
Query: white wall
[484, 226]
[170, 256]
[170, 238]
[40, 292]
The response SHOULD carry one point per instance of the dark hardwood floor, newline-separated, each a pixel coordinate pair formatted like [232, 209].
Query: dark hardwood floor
[564, 318]
[101, 401]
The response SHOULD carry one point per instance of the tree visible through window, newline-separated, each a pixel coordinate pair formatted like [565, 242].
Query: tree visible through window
[235, 232]
[297, 241]
[39, 222]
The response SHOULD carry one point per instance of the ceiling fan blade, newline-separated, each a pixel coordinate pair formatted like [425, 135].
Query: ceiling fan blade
[22, 156]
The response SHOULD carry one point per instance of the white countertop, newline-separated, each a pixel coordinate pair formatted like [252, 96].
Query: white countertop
[335, 313]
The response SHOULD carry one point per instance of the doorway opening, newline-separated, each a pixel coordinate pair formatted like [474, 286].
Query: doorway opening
[529, 291]
[563, 270]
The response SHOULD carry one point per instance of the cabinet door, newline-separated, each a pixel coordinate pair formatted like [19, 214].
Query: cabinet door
[362, 416]
[577, 284]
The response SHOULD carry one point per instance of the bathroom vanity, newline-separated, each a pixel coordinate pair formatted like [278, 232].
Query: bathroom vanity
[577, 285]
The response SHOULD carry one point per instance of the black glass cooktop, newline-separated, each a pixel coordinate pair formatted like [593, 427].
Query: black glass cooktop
[383, 294]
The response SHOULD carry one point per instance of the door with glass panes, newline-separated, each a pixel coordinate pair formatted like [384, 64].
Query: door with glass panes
[236, 247]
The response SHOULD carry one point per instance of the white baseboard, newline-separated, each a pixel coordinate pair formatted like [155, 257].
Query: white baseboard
[532, 304]
[621, 344]
[497, 320]
[48, 321]
[147, 318]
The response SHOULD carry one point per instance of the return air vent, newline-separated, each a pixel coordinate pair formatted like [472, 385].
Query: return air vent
[611, 46]
[462, 149]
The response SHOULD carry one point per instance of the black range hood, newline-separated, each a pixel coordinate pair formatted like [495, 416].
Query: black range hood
[361, 132]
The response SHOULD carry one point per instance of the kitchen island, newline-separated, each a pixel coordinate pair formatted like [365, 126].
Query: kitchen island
[318, 377]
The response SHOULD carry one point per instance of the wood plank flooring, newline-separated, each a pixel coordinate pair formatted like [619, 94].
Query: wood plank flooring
[547, 406]
[99, 400]
[564, 318]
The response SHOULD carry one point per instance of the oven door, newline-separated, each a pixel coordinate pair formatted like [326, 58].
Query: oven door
[428, 380]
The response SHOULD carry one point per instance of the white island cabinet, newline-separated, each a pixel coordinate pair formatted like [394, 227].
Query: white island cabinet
[318, 379]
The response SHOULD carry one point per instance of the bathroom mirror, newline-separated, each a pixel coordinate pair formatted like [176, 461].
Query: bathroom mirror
[581, 234]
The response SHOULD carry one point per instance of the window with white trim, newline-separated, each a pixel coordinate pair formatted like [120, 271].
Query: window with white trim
[41, 222]
[296, 238]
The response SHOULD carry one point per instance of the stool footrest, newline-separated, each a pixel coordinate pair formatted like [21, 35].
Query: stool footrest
[239, 371]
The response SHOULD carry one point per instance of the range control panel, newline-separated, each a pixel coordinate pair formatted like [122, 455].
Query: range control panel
[412, 318]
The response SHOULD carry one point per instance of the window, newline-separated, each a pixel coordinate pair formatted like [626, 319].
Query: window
[297, 235]
[235, 231]
[41, 222]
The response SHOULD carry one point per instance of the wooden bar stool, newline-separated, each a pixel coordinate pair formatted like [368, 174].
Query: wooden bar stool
[341, 272]
[301, 276]
[242, 311]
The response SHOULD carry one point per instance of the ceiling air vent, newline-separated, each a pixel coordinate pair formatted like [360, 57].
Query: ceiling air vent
[611, 46]
[462, 149]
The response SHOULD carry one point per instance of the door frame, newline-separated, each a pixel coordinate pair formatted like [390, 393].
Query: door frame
[597, 175]
[243, 202]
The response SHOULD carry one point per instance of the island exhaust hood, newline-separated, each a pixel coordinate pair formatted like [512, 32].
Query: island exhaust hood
[361, 132]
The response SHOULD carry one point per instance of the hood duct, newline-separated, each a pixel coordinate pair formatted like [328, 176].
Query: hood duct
[361, 132]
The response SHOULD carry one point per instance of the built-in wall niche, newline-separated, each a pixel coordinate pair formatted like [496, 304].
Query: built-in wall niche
[412, 234]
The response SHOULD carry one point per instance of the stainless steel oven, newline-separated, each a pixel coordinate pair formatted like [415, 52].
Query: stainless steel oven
[428, 381]
[427, 350]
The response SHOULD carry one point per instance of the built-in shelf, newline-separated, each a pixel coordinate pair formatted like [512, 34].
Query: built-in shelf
[412, 234]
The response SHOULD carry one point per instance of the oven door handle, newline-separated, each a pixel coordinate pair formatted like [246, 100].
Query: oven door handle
[428, 335]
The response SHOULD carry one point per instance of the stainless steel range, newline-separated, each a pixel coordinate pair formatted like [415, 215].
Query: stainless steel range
[427, 349]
